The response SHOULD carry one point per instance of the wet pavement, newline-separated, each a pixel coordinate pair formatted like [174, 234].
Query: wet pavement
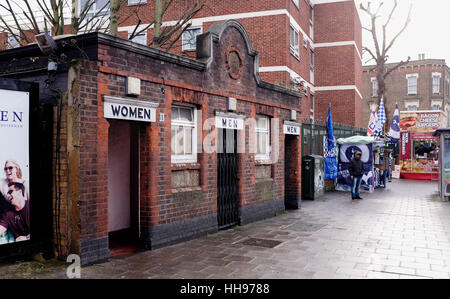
[402, 231]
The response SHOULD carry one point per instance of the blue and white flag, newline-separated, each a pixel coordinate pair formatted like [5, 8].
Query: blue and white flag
[394, 131]
[329, 150]
[381, 119]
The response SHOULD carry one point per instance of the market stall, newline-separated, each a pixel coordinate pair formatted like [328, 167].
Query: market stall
[347, 148]
[418, 147]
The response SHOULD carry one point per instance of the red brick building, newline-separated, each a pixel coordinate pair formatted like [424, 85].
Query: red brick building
[422, 84]
[157, 148]
[317, 42]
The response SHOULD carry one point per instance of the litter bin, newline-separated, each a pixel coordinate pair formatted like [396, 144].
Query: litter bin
[313, 168]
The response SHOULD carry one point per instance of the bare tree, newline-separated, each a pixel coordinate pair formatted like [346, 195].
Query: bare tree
[38, 16]
[382, 46]
[164, 37]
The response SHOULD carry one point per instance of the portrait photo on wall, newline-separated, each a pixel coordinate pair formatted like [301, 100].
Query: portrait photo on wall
[15, 170]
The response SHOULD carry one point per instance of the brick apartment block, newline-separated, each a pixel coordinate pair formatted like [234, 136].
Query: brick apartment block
[429, 87]
[326, 55]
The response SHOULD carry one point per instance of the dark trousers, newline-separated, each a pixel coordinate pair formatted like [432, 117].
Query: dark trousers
[356, 184]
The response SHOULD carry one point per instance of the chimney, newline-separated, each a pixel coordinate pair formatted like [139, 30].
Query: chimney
[422, 56]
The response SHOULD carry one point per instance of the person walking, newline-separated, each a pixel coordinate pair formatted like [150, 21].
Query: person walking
[356, 170]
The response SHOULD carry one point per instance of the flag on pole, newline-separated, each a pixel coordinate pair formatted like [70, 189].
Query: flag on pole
[372, 122]
[330, 152]
[381, 119]
[394, 131]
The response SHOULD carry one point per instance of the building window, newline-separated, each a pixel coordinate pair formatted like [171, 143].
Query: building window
[436, 107]
[436, 84]
[136, 2]
[412, 85]
[312, 59]
[311, 22]
[189, 38]
[13, 40]
[374, 87]
[262, 138]
[95, 8]
[184, 134]
[294, 42]
[305, 41]
[412, 108]
[140, 39]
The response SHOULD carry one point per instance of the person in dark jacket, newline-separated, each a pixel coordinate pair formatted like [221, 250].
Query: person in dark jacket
[356, 170]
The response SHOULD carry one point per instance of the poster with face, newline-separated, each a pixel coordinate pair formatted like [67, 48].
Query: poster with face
[346, 153]
[14, 161]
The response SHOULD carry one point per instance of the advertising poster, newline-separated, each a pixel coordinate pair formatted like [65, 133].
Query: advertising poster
[14, 161]
[346, 153]
[420, 121]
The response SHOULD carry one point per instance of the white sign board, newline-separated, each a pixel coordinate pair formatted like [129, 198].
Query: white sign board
[291, 130]
[396, 172]
[125, 109]
[14, 161]
[223, 122]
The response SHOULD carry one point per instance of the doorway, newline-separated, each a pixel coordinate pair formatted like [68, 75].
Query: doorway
[227, 179]
[123, 187]
[292, 155]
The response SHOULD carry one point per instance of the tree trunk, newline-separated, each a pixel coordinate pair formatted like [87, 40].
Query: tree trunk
[114, 19]
[158, 22]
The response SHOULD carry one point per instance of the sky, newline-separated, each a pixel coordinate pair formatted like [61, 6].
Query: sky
[426, 33]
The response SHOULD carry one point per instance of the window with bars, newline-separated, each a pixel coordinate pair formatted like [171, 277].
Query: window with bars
[262, 138]
[294, 42]
[184, 134]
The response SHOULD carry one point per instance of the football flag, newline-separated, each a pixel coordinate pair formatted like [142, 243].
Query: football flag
[372, 122]
[394, 131]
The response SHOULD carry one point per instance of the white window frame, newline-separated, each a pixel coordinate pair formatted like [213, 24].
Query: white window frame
[266, 131]
[136, 2]
[305, 42]
[144, 34]
[294, 48]
[296, 3]
[438, 85]
[94, 9]
[185, 158]
[374, 82]
[184, 46]
[410, 90]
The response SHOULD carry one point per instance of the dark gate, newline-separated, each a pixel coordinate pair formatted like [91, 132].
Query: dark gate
[227, 180]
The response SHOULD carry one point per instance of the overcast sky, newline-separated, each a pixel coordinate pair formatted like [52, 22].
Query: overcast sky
[426, 33]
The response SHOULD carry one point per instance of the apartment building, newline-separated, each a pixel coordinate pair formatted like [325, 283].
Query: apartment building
[315, 44]
[422, 84]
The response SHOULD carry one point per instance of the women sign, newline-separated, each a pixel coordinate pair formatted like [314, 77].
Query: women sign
[14, 162]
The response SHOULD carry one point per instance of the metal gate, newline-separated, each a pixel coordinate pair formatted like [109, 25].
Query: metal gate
[227, 180]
